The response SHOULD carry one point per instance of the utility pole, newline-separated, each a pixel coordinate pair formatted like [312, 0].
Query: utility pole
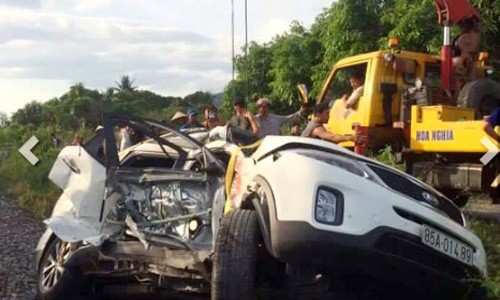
[246, 51]
[232, 48]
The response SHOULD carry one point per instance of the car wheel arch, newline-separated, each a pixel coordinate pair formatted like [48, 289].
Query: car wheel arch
[262, 201]
[47, 237]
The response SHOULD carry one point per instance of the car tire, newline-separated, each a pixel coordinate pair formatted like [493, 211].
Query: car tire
[235, 257]
[54, 280]
[482, 95]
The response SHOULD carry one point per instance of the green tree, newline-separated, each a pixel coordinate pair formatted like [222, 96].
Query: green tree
[78, 108]
[198, 99]
[490, 27]
[293, 56]
[33, 113]
[414, 23]
[255, 70]
[126, 84]
[349, 27]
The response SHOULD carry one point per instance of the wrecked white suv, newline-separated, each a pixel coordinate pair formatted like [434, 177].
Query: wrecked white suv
[209, 214]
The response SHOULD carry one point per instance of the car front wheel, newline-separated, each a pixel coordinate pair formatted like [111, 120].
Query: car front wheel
[235, 257]
[55, 281]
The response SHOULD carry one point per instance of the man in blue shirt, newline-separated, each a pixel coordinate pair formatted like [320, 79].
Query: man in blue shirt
[192, 121]
[491, 122]
[489, 127]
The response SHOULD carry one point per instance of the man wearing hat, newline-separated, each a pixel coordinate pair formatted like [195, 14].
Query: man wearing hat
[179, 119]
[192, 121]
[270, 124]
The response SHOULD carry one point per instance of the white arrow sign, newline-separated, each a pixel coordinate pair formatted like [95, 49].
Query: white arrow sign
[25, 150]
[492, 150]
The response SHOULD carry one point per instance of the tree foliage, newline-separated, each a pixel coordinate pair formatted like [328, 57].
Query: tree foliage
[346, 28]
[253, 69]
[81, 108]
[293, 56]
[126, 84]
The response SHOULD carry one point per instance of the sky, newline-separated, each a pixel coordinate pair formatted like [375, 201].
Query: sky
[170, 47]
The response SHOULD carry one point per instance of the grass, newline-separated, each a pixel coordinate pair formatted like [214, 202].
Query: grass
[489, 233]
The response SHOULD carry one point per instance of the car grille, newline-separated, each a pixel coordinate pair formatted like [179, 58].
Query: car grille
[415, 191]
[419, 220]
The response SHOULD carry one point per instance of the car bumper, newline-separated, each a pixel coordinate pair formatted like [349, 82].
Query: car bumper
[384, 253]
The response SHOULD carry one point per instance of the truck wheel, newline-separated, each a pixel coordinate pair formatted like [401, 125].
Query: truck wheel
[482, 95]
[235, 257]
[54, 280]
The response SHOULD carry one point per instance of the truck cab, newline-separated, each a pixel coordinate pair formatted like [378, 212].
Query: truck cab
[403, 104]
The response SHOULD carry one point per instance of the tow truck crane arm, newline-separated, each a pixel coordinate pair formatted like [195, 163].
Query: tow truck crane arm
[458, 12]
[465, 16]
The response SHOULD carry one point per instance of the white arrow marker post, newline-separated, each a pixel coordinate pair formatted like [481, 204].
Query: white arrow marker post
[492, 150]
[25, 150]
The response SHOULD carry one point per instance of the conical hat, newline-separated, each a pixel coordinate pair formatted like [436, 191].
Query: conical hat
[178, 115]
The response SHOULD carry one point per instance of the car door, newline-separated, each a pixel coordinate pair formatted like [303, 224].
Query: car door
[80, 173]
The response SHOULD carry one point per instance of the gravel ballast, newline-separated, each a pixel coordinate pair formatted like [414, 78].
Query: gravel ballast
[19, 234]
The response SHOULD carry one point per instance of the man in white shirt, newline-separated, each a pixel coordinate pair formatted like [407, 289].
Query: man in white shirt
[270, 124]
[356, 79]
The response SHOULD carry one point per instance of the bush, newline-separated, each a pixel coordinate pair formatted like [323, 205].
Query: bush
[489, 233]
[29, 183]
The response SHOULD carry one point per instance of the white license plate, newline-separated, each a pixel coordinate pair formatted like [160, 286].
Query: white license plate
[447, 245]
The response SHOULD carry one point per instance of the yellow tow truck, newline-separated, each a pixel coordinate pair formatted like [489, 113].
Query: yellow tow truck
[430, 116]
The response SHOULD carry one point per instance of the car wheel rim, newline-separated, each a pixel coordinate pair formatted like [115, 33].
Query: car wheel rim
[53, 267]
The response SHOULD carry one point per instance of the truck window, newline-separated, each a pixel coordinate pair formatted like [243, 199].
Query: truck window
[432, 75]
[339, 84]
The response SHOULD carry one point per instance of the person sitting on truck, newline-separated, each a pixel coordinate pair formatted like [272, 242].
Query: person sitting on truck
[315, 128]
[491, 122]
[356, 80]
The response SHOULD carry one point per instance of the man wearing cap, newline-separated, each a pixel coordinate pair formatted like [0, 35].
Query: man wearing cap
[270, 124]
[192, 121]
[243, 118]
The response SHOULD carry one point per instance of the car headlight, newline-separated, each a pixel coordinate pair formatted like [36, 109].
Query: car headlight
[329, 206]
